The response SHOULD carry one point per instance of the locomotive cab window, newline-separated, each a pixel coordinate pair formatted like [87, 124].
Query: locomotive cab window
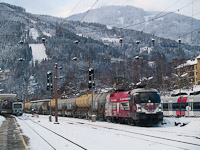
[147, 97]
[17, 106]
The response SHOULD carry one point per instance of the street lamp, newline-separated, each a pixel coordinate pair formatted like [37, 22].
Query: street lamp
[120, 41]
[138, 59]
[153, 41]
[74, 58]
[137, 42]
[76, 42]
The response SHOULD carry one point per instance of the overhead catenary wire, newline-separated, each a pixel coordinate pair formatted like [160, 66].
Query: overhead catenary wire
[180, 21]
[155, 18]
[189, 32]
[192, 23]
[74, 7]
[88, 10]
[158, 17]
[167, 8]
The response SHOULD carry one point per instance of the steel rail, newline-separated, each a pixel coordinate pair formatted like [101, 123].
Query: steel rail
[158, 137]
[58, 134]
[37, 133]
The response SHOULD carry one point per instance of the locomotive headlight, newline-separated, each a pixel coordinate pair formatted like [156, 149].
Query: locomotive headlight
[139, 109]
[160, 109]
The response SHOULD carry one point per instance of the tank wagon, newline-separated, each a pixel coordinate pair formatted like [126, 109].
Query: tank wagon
[139, 106]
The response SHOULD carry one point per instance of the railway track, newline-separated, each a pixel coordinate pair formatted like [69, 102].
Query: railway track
[130, 134]
[135, 133]
[81, 147]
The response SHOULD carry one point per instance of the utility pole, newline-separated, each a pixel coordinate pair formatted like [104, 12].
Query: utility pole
[56, 93]
[179, 42]
[88, 69]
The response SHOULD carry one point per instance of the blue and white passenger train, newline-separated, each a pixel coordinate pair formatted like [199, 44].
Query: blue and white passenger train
[10, 105]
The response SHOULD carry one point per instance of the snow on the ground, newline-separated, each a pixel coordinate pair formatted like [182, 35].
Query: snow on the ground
[145, 49]
[109, 27]
[114, 40]
[1, 120]
[113, 60]
[121, 20]
[47, 34]
[108, 136]
[38, 52]
[34, 33]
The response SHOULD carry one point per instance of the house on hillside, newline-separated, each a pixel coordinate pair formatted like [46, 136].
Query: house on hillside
[191, 68]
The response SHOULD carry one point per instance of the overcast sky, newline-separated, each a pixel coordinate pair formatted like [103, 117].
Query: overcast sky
[64, 8]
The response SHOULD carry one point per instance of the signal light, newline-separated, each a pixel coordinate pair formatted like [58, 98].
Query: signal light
[49, 81]
[91, 78]
[90, 84]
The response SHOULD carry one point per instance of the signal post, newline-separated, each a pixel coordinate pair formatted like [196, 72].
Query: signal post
[91, 86]
[50, 88]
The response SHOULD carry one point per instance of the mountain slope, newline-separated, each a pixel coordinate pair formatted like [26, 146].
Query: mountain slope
[169, 26]
[110, 59]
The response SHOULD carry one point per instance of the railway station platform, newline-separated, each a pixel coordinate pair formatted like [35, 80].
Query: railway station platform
[11, 137]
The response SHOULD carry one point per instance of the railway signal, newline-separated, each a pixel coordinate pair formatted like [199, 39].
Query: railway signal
[91, 83]
[49, 81]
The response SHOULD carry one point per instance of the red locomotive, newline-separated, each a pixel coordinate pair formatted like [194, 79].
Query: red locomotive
[138, 106]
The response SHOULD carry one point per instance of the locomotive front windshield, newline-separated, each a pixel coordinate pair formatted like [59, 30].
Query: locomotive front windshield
[146, 97]
[17, 106]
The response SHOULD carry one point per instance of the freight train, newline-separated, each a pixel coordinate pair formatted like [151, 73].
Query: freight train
[188, 106]
[138, 106]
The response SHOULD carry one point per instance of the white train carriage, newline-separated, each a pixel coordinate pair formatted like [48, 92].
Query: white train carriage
[188, 106]
[17, 108]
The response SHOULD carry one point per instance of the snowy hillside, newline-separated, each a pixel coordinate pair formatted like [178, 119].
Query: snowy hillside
[23, 32]
[38, 52]
[166, 26]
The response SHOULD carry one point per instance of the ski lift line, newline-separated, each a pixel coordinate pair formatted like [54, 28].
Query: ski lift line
[74, 7]
[155, 18]
[89, 10]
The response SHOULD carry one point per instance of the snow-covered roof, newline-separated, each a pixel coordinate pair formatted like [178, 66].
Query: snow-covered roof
[189, 62]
